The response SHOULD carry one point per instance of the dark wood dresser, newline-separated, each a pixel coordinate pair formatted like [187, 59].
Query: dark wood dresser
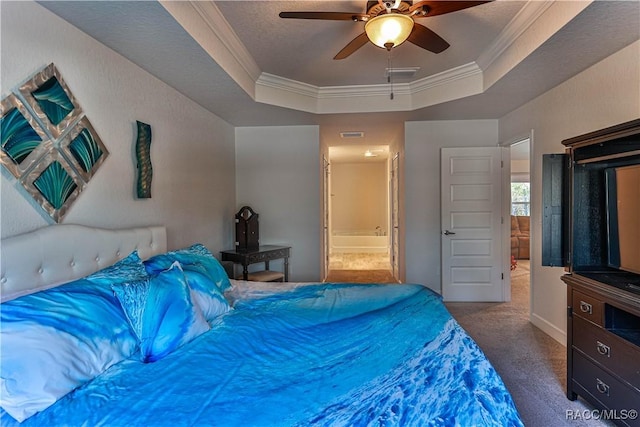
[603, 347]
[601, 251]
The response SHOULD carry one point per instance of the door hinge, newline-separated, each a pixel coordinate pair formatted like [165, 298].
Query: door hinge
[501, 220]
[502, 276]
[501, 163]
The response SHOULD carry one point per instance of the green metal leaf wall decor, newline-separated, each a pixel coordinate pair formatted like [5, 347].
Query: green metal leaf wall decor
[143, 154]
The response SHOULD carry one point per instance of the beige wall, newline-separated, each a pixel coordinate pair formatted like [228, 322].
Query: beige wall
[423, 143]
[603, 95]
[359, 195]
[277, 175]
[192, 150]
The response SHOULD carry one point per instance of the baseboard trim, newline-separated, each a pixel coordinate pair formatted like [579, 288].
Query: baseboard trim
[549, 329]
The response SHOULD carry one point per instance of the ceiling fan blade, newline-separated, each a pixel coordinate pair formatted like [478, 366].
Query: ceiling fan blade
[435, 7]
[330, 16]
[353, 45]
[427, 39]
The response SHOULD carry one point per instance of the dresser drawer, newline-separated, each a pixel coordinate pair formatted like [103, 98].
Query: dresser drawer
[588, 307]
[605, 388]
[609, 350]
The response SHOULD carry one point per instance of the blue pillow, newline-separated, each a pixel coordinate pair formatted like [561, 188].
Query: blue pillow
[204, 293]
[127, 269]
[196, 254]
[160, 312]
[53, 341]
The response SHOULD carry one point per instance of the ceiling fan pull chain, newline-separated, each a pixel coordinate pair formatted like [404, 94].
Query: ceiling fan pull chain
[389, 68]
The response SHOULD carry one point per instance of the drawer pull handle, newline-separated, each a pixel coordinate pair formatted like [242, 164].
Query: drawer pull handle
[602, 386]
[603, 349]
[585, 307]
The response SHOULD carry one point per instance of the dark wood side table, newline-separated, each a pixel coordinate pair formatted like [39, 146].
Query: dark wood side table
[263, 254]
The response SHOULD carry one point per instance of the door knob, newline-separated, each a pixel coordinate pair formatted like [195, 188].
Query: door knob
[447, 232]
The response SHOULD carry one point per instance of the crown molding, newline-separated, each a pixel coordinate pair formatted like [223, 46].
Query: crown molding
[520, 23]
[452, 84]
[447, 77]
[535, 23]
[532, 26]
[206, 24]
[293, 86]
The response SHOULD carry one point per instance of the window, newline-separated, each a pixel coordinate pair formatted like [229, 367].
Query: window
[520, 198]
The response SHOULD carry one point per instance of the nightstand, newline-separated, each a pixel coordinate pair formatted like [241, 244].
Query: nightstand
[263, 254]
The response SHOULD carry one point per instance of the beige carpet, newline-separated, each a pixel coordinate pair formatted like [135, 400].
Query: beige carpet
[531, 363]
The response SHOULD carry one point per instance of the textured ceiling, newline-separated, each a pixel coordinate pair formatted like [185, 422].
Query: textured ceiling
[302, 50]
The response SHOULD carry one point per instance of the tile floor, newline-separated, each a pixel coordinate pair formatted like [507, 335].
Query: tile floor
[359, 261]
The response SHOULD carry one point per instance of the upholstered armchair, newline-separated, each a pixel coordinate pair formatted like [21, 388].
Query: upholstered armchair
[520, 227]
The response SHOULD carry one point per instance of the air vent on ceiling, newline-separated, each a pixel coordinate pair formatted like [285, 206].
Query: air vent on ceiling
[352, 134]
[401, 73]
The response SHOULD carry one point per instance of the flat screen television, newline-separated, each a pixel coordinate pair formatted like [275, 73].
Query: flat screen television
[623, 217]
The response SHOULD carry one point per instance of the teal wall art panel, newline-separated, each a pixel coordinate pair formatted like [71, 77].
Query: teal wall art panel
[23, 140]
[48, 144]
[51, 100]
[54, 185]
[84, 149]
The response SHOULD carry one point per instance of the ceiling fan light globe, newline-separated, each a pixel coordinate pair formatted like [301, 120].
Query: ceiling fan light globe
[391, 28]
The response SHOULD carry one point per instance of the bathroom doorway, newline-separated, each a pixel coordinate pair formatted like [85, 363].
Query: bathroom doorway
[359, 206]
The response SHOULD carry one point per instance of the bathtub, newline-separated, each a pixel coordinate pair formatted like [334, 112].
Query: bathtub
[367, 241]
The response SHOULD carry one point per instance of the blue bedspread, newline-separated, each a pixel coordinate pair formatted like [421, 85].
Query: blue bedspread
[325, 355]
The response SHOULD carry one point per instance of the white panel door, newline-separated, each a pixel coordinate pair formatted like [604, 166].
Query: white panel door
[395, 221]
[471, 224]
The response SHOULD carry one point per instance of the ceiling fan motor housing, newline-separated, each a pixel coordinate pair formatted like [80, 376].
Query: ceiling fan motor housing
[375, 8]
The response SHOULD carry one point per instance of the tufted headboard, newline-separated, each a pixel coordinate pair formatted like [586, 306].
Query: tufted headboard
[56, 254]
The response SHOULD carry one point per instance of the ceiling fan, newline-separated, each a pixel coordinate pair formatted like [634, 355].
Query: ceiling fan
[389, 23]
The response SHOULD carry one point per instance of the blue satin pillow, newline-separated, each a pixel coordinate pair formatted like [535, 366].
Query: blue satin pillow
[205, 275]
[205, 294]
[160, 312]
[55, 340]
[196, 254]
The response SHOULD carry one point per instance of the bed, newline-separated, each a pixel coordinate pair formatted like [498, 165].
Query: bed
[107, 327]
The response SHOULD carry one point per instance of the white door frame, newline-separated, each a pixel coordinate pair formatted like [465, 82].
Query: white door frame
[394, 215]
[326, 200]
[532, 197]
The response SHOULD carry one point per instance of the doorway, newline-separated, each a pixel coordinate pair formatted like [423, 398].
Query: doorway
[520, 214]
[359, 223]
